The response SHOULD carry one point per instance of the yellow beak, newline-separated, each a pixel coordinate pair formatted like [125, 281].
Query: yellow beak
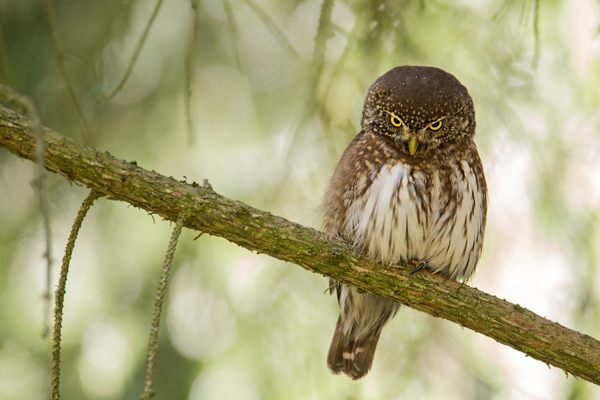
[413, 145]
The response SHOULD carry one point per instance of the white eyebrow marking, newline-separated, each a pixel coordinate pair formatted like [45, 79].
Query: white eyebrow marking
[394, 115]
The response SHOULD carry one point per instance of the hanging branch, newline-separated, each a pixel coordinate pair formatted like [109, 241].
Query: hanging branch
[11, 96]
[234, 32]
[272, 27]
[190, 70]
[61, 290]
[160, 298]
[536, 34]
[60, 59]
[136, 54]
[260, 231]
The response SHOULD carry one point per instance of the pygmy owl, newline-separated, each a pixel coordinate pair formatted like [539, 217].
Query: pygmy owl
[409, 189]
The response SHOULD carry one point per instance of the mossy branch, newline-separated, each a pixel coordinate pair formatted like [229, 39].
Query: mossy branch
[260, 231]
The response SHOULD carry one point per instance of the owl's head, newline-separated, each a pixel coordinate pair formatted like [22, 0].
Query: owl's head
[421, 109]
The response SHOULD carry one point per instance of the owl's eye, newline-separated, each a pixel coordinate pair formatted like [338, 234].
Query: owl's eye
[435, 126]
[395, 120]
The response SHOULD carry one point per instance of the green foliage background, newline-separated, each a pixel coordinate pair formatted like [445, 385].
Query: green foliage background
[272, 109]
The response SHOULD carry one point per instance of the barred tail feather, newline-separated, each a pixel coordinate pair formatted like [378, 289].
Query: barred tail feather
[352, 357]
[358, 356]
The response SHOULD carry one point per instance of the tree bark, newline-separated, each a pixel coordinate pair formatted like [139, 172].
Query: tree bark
[260, 231]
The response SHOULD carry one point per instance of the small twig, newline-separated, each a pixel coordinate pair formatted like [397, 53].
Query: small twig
[160, 297]
[536, 33]
[503, 9]
[190, 71]
[324, 32]
[61, 289]
[233, 30]
[340, 30]
[135, 56]
[60, 59]
[272, 26]
[199, 236]
[525, 10]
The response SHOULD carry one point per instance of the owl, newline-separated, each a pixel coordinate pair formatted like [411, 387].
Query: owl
[409, 188]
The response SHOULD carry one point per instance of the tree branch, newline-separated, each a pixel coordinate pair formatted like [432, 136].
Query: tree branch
[263, 232]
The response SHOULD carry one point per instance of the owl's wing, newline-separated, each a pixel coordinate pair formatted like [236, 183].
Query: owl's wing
[342, 189]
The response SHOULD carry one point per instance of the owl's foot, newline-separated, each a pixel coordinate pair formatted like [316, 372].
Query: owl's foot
[418, 264]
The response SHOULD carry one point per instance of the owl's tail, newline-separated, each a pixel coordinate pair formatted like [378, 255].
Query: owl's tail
[352, 357]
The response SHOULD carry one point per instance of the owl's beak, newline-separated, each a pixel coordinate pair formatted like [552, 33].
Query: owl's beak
[413, 145]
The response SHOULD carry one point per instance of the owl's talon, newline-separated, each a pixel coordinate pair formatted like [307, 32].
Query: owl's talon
[419, 265]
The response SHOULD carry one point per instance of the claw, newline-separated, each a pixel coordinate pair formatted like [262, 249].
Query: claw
[419, 264]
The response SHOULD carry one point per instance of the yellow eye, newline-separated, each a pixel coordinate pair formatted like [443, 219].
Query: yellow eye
[395, 121]
[435, 126]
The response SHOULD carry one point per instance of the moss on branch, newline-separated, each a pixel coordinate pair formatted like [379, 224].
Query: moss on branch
[263, 232]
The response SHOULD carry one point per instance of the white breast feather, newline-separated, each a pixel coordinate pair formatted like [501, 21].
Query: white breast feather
[406, 234]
